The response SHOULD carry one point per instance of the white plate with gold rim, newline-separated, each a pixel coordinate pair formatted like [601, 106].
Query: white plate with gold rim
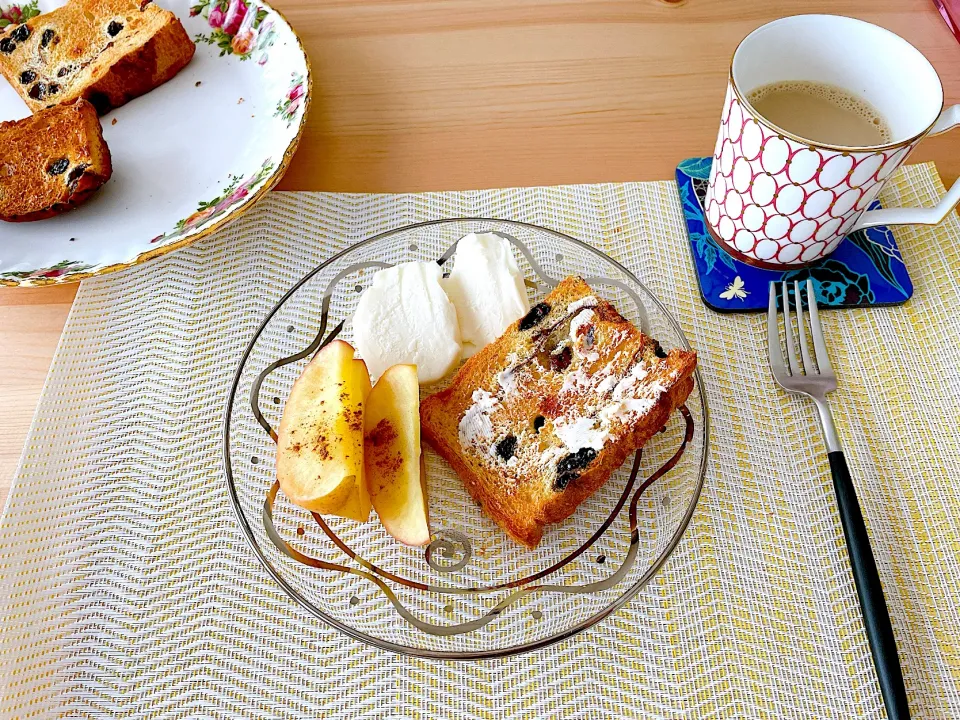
[188, 157]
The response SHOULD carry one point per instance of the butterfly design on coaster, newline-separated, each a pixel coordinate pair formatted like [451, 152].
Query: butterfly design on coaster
[735, 290]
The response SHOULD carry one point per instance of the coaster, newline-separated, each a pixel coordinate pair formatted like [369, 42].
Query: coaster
[866, 269]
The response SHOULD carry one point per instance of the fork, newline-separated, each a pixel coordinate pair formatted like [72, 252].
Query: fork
[815, 379]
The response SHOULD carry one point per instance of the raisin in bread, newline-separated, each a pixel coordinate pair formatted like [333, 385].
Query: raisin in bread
[51, 162]
[106, 51]
[538, 420]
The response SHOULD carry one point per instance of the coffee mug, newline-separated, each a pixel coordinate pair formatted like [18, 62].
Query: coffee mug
[778, 200]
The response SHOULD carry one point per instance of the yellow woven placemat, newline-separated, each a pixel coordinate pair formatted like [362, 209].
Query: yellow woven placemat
[126, 589]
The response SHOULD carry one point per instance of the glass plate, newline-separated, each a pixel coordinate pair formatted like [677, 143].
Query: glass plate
[473, 592]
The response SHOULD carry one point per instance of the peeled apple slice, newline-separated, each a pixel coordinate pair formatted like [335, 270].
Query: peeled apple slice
[320, 438]
[394, 471]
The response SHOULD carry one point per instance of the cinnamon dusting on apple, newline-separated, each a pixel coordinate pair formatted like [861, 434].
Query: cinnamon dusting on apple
[383, 434]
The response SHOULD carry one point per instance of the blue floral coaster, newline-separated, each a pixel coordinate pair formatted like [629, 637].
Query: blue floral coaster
[866, 270]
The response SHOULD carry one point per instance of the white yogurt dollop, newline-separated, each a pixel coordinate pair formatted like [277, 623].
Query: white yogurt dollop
[406, 317]
[486, 286]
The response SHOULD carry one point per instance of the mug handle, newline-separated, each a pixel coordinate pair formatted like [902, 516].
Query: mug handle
[949, 119]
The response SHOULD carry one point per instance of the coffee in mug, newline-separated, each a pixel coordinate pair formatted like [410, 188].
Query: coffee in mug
[821, 112]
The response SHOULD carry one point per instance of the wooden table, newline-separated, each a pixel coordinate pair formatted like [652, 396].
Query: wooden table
[435, 95]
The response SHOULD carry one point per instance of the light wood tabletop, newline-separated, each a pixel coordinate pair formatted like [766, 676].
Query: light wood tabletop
[434, 95]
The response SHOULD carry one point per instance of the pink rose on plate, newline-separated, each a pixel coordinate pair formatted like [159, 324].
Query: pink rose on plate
[216, 17]
[291, 108]
[296, 92]
[239, 194]
[243, 42]
[52, 273]
[13, 14]
[228, 202]
[232, 199]
[236, 11]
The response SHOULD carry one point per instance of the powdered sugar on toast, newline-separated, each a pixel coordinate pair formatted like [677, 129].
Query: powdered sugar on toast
[588, 301]
[568, 392]
[476, 427]
[581, 321]
[593, 403]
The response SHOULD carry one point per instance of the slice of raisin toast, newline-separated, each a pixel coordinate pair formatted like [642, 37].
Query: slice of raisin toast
[538, 420]
[51, 162]
[106, 51]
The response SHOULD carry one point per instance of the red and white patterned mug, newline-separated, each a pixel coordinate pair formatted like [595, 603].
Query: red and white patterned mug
[777, 200]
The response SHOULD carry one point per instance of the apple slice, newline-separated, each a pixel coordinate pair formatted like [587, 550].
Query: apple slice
[320, 439]
[391, 448]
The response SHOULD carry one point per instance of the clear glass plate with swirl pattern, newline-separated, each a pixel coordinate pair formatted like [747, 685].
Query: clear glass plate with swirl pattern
[473, 592]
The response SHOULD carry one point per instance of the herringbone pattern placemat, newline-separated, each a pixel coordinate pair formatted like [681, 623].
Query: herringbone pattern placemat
[126, 589]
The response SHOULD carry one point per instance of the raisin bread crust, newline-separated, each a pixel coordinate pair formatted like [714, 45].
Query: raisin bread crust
[599, 366]
[105, 51]
[51, 162]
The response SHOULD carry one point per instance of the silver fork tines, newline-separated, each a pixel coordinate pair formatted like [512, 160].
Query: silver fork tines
[807, 378]
[801, 328]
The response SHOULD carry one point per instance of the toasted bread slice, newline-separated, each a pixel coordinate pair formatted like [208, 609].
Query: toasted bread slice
[51, 162]
[538, 420]
[106, 51]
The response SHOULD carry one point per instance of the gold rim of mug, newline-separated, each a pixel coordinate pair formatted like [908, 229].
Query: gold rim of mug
[827, 146]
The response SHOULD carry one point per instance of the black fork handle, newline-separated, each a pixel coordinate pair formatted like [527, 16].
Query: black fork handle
[876, 619]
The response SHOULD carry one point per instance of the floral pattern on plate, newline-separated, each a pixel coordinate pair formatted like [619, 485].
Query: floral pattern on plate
[234, 193]
[236, 27]
[287, 108]
[64, 267]
[16, 14]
